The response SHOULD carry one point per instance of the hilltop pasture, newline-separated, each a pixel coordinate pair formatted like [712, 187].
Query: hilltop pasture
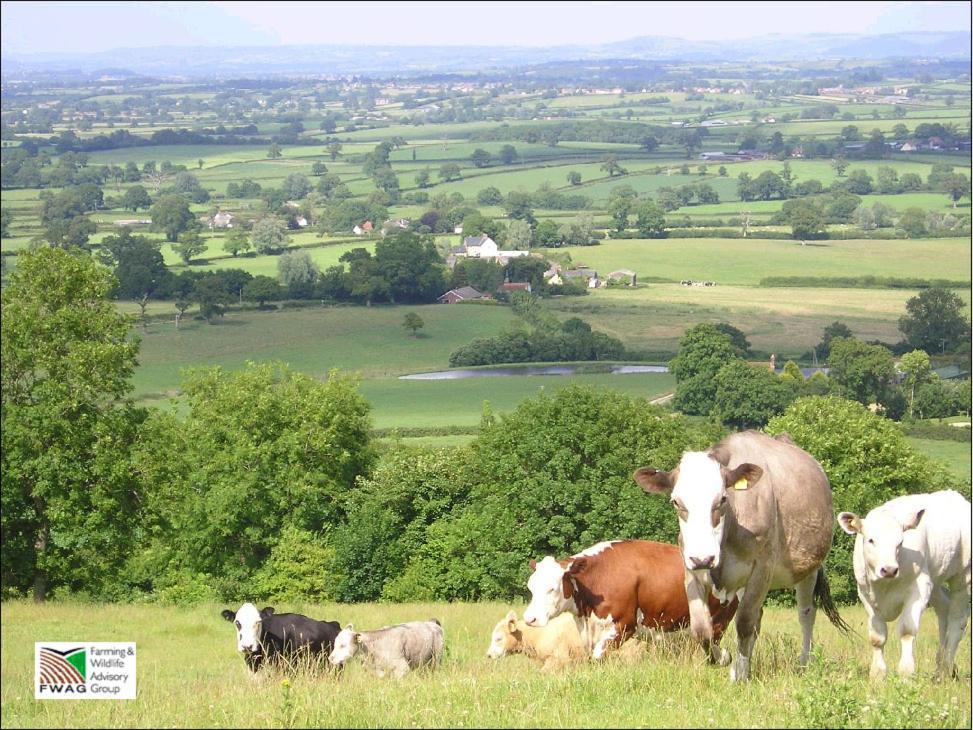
[189, 675]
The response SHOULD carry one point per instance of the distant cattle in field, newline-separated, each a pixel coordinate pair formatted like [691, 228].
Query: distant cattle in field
[279, 638]
[616, 589]
[396, 649]
[556, 644]
[912, 552]
[755, 513]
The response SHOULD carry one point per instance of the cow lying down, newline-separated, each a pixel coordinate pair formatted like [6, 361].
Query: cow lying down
[555, 645]
[279, 638]
[396, 649]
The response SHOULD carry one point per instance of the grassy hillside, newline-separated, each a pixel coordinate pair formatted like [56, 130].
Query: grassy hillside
[189, 675]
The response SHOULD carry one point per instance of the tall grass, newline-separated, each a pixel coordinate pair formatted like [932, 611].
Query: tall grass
[189, 675]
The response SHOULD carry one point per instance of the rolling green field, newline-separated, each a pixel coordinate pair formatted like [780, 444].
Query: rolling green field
[368, 340]
[189, 675]
[443, 403]
[745, 262]
[954, 454]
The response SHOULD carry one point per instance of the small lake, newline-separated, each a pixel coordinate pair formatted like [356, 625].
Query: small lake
[592, 369]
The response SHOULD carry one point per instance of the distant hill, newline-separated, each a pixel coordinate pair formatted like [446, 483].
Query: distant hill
[407, 60]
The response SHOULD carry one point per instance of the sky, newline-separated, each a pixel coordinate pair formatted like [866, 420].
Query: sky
[87, 27]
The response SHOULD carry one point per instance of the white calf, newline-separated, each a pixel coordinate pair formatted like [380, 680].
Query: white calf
[911, 552]
[396, 649]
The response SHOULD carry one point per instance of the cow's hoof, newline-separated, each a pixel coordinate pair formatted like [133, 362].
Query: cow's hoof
[724, 659]
[877, 673]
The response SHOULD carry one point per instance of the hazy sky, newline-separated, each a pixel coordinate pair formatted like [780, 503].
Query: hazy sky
[82, 27]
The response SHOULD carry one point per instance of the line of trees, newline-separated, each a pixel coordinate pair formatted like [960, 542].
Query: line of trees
[268, 484]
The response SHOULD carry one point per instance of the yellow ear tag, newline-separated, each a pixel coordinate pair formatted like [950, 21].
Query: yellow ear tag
[741, 483]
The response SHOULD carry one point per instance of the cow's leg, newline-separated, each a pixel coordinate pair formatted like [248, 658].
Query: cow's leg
[939, 600]
[909, 623]
[701, 622]
[748, 621]
[604, 635]
[877, 635]
[805, 614]
[959, 613]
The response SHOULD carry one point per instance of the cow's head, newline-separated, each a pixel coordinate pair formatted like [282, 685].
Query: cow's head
[551, 592]
[248, 621]
[698, 489]
[346, 645]
[881, 532]
[506, 638]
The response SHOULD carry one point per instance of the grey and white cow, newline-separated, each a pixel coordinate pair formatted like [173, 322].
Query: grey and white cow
[911, 552]
[755, 513]
[396, 649]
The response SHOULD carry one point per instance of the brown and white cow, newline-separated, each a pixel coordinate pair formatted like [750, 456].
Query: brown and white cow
[755, 513]
[616, 589]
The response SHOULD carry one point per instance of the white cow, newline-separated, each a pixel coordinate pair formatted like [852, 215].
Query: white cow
[911, 552]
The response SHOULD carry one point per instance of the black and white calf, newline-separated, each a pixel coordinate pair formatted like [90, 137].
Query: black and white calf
[278, 638]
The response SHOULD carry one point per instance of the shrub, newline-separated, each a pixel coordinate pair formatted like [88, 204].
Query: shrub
[867, 460]
[299, 568]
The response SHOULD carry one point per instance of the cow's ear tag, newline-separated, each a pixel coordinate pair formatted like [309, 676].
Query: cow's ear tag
[741, 483]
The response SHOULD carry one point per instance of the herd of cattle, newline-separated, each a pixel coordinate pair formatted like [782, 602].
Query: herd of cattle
[755, 513]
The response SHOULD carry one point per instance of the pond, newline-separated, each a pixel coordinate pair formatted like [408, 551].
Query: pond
[586, 369]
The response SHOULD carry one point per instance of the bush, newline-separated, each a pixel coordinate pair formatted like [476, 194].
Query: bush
[299, 568]
[868, 462]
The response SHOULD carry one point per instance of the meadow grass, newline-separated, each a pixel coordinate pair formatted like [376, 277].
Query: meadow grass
[190, 675]
[443, 403]
[367, 340]
[955, 455]
[744, 262]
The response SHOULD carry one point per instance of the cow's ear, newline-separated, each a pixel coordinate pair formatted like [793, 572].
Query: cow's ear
[267, 611]
[577, 565]
[911, 522]
[850, 523]
[228, 615]
[511, 616]
[349, 627]
[743, 476]
[653, 480]
[533, 564]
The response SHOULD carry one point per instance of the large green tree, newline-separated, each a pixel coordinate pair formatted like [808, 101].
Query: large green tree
[260, 451]
[934, 321]
[171, 214]
[703, 350]
[748, 396]
[70, 502]
[862, 372]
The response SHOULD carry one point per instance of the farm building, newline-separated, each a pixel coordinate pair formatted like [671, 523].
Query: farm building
[463, 294]
[511, 286]
[222, 220]
[622, 275]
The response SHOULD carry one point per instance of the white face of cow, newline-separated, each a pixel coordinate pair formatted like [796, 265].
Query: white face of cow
[699, 496]
[504, 637]
[698, 491]
[546, 587]
[345, 646]
[882, 534]
[247, 621]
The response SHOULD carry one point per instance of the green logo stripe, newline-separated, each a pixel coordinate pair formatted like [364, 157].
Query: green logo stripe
[77, 660]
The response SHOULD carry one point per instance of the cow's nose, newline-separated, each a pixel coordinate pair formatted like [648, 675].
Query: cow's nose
[701, 563]
[888, 571]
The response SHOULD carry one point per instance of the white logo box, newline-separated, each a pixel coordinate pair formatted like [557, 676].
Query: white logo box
[84, 670]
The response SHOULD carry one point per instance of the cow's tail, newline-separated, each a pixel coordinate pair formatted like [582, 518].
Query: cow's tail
[822, 592]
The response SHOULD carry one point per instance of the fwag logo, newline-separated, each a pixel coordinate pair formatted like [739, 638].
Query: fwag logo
[62, 671]
[84, 671]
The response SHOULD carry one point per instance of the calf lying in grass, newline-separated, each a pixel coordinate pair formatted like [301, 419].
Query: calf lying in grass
[555, 645]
